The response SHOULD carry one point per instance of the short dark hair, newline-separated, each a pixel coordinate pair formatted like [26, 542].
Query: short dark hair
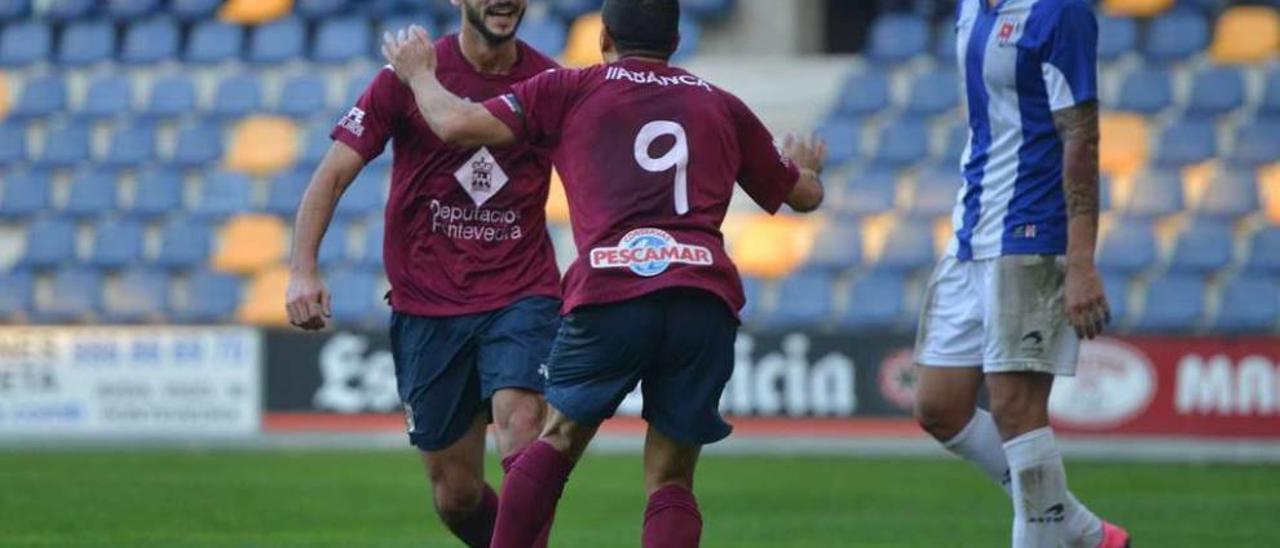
[643, 27]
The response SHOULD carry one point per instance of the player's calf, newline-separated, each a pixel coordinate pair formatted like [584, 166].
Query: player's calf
[671, 518]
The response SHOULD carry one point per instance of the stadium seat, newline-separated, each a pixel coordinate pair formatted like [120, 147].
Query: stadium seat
[933, 193]
[253, 12]
[210, 297]
[864, 94]
[843, 137]
[87, 42]
[1155, 193]
[570, 10]
[1246, 34]
[1147, 90]
[365, 195]
[805, 299]
[955, 141]
[342, 39]
[1256, 143]
[237, 96]
[897, 37]
[171, 96]
[1106, 193]
[93, 192]
[135, 296]
[75, 294]
[262, 145]
[18, 296]
[222, 195]
[933, 93]
[25, 194]
[66, 10]
[357, 302]
[278, 41]
[1185, 143]
[944, 41]
[753, 291]
[557, 202]
[333, 248]
[65, 145]
[869, 193]
[837, 247]
[1126, 146]
[109, 96]
[769, 247]
[907, 246]
[690, 39]
[24, 43]
[1269, 105]
[150, 41]
[285, 192]
[263, 302]
[315, 9]
[197, 145]
[11, 10]
[371, 252]
[1201, 248]
[117, 243]
[157, 192]
[50, 242]
[193, 10]
[1229, 195]
[6, 95]
[131, 145]
[1127, 247]
[41, 96]
[1247, 304]
[1215, 91]
[251, 243]
[317, 144]
[901, 143]
[13, 143]
[1176, 36]
[707, 10]
[546, 34]
[875, 300]
[1137, 8]
[184, 243]
[583, 45]
[1264, 252]
[1172, 303]
[1116, 37]
[1116, 288]
[213, 41]
[303, 96]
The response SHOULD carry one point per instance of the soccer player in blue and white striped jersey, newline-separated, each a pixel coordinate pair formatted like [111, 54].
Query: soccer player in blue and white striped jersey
[1018, 288]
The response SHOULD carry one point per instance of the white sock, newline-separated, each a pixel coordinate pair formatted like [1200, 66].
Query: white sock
[979, 443]
[1039, 489]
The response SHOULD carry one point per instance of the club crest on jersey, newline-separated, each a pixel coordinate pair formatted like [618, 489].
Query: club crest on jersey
[649, 252]
[1008, 30]
[481, 176]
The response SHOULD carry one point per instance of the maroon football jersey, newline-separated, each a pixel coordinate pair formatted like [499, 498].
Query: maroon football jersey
[649, 154]
[466, 229]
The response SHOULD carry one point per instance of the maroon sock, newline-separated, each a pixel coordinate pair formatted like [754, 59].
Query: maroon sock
[545, 536]
[672, 519]
[529, 496]
[475, 530]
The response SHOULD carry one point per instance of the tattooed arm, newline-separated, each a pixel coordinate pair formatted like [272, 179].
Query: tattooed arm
[1086, 303]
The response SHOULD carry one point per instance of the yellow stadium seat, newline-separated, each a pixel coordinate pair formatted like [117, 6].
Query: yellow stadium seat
[943, 232]
[1246, 34]
[252, 12]
[251, 243]
[1195, 180]
[557, 203]
[264, 301]
[6, 100]
[583, 46]
[1269, 179]
[263, 145]
[771, 246]
[1124, 144]
[1136, 8]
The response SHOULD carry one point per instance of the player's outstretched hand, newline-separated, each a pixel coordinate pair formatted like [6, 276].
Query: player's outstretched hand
[807, 152]
[308, 301]
[410, 52]
[1086, 305]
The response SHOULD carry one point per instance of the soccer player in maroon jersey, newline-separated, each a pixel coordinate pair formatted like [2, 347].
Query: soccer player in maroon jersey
[474, 283]
[649, 154]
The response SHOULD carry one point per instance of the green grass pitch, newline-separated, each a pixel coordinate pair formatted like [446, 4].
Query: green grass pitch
[296, 499]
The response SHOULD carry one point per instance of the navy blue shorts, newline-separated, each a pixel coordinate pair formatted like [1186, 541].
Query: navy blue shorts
[677, 343]
[447, 368]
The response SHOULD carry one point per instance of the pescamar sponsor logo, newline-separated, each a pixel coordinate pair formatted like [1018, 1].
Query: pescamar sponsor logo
[649, 252]
[1114, 383]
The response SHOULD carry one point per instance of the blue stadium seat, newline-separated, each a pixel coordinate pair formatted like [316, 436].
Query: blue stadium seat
[901, 143]
[87, 42]
[1116, 288]
[131, 145]
[51, 242]
[65, 10]
[303, 96]
[1187, 142]
[875, 300]
[707, 10]
[1127, 248]
[342, 39]
[237, 96]
[1116, 37]
[1256, 143]
[184, 243]
[933, 93]
[957, 139]
[157, 192]
[25, 194]
[837, 247]
[1173, 303]
[365, 195]
[1147, 90]
[1176, 35]
[355, 297]
[1264, 252]
[416, 17]
[75, 295]
[117, 243]
[24, 43]
[944, 41]
[314, 9]
[333, 248]
[869, 193]
[896, 37]
[1230, 194]
[1156, 193]
[11, 10]
[572, 9]
[131, 9]
[278, 41]
[150, 41]
[864, 94]
[224, 194]
[1105, 191]
[396, 8]
[356, 86]
[753, 290]
[171, 96]
[93, 192]
[1215, 91]
[843, 137]
[18, 295]
[690, 39]
[1269, 105]
[66, 145]
[211, 297]
[285, 192]
[545, 34]
[1202, 247]
[213, 41]
[13, 143]
[317, 145]
[806, 299]
[137, 295]
[193, 10]
[908, 247]
[41, 96]
[371, 254]
[1247, 304]
[108, 96]
[198, 144]
[934, 191]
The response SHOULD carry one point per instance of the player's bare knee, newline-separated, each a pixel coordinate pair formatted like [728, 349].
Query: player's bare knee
[941, 420]
[519, 418]
[1017, 412]
[458, 498]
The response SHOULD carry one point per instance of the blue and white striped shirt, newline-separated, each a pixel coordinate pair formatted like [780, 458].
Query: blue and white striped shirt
[1020, 61]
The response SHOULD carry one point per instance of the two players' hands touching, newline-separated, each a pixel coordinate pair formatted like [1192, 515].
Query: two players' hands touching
[410, 52]
[807, 152]
[1086, 305]
[308, 301]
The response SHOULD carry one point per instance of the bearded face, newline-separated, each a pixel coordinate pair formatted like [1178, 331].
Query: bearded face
[497, 20]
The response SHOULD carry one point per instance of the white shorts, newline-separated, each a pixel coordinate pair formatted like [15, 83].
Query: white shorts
[1004, 314]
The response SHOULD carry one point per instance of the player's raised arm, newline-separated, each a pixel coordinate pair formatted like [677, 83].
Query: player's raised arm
[455, 120]
[810, 155]
[307, 298]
